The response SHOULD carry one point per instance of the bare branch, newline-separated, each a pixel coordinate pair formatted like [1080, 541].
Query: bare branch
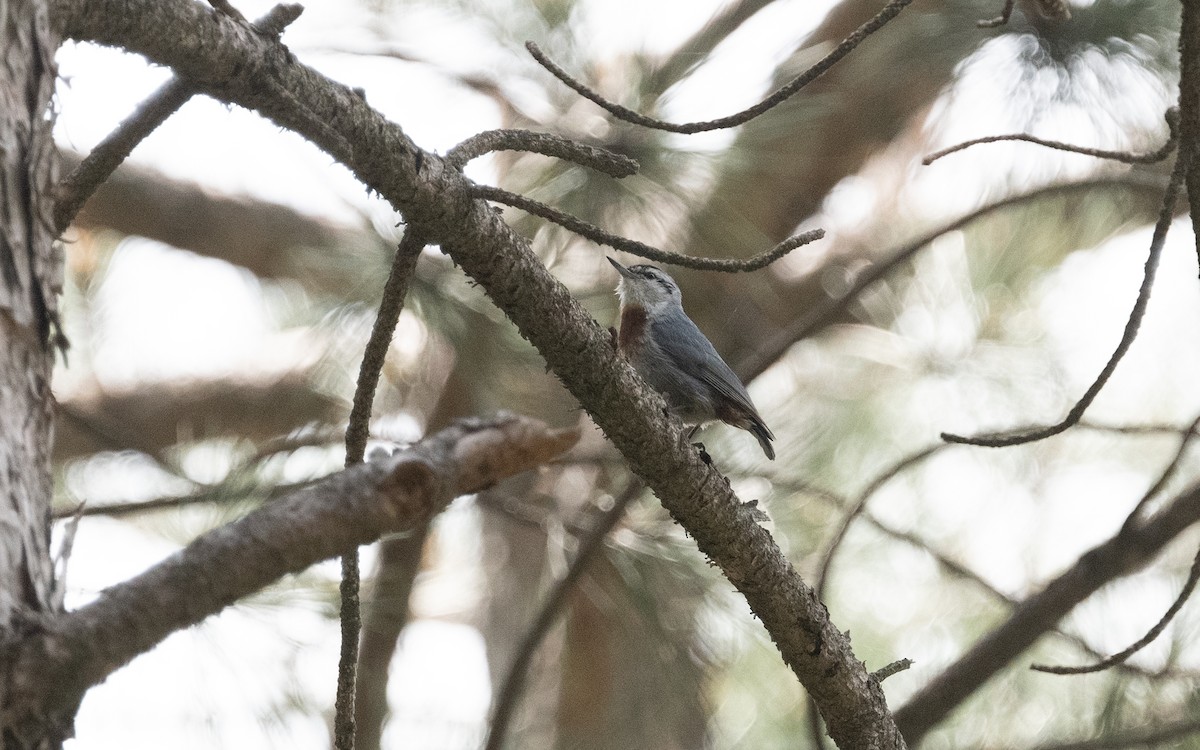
[78, 186]
[52, 667]
[1188, 587]
[633, 247]
[1151, 157]
[856, 508]
[890, 11]
[1120, 555]
[1189, 106]
[895, 667]
[390, 307]
[548, 144]
[958, 570]
[1165, 217]
[1165, 476]
[509, 693]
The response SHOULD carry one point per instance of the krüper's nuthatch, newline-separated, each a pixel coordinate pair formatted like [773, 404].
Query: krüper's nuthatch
[676, 359]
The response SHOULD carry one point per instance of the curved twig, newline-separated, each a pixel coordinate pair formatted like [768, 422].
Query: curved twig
[548, 144]
[1165, 216]
[633, 247]
[890, 11]
[1118, 556]
[514, 681]
[390, 306]
[1150, 157]
[1188, 587]
[854, 510]
[857, 507]
[1165, 476]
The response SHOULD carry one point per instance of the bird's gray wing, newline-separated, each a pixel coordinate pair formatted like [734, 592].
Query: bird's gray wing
[690, 350]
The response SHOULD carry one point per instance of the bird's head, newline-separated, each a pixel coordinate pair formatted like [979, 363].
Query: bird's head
[646, 286]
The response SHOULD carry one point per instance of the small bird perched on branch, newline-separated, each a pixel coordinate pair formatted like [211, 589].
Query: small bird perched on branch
[676, 359]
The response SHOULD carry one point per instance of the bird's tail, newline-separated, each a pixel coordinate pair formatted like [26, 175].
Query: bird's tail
[763, 434]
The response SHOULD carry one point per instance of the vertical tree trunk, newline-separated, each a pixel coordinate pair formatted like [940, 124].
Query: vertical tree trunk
[28, 270]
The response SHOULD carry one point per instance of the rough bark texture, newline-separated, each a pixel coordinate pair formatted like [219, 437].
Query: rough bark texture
[29, 269]
[227, 61]
[51, 669]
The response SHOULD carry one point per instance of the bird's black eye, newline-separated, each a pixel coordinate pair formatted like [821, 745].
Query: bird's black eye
[653, 273]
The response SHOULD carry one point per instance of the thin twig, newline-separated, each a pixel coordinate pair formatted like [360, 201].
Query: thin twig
[857, 507]
[1188, 587]
[1118, 556]
[548, 144]
[854, 509]
[895, 667]
[514, 681]
[633, 247]
[1151, 157]
[1164, 477]
[956, 569]
[74, 190]
[357, 431]
[1165, 217]
[767, 354]
[890, 11]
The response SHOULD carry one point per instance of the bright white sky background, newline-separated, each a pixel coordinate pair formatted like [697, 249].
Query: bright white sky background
[218, 685]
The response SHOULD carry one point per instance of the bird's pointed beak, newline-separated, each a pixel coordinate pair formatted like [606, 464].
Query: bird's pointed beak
[620, 268]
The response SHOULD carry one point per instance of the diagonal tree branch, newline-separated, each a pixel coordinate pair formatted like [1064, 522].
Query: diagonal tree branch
[1156, 630]
[233, 65]
[1123, 553]
[55, 666]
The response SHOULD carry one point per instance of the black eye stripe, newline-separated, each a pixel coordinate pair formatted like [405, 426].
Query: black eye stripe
[652, 273]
